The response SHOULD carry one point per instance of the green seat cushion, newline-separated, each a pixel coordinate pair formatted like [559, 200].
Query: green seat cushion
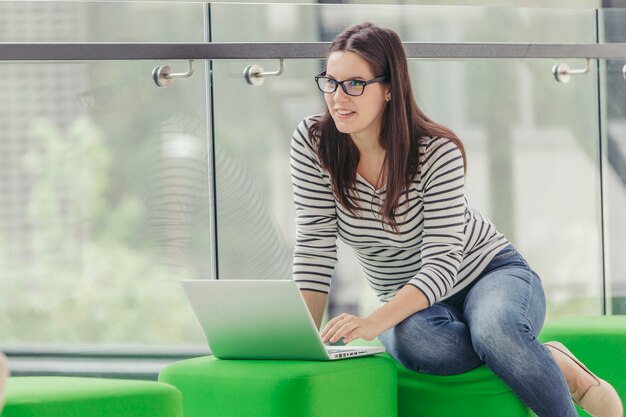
[358, 387]
[477, 393]
[597, 341]
[90, 397]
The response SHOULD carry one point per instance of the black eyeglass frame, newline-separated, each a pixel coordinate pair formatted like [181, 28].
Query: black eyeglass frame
[343, 87]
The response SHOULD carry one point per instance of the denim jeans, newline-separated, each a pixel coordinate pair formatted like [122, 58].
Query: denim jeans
[495, 321]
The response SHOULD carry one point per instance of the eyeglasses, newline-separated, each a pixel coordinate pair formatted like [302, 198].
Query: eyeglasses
[329, 85]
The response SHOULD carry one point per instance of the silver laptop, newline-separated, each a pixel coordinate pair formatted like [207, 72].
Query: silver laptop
[261, 319]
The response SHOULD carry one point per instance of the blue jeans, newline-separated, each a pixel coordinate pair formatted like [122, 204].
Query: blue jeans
[495, 321]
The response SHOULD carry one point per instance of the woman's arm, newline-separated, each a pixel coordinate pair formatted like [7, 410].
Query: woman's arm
[409, 300]
[316, 302]
[315, 252]
[445, 208]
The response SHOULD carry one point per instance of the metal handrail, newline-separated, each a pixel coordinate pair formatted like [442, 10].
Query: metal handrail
[89, 51]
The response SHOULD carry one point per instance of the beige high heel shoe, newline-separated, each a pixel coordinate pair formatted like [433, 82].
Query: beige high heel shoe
[4, 374]
[601, 399]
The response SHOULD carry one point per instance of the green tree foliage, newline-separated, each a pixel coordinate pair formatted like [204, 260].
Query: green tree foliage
[86, 279]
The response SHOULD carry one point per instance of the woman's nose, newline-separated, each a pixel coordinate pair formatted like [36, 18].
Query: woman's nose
[340, 95]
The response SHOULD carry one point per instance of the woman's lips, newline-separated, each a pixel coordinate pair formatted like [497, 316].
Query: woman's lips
[344, 114]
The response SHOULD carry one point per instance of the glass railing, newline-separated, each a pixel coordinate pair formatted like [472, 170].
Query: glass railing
[113, 190]
[103, 202]
[612, 102]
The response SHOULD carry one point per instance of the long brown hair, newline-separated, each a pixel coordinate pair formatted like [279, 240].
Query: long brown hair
[403, 123]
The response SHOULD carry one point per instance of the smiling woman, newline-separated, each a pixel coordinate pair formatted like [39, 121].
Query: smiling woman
[357, 111]
[376, 172]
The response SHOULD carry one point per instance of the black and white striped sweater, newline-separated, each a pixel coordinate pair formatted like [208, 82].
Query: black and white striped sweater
[442, 244]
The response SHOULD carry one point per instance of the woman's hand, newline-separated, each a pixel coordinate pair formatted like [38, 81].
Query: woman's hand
[409, 300]
[349, 327]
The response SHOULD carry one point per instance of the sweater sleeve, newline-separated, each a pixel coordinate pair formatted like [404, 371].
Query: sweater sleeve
[443, 175]
[315, 254]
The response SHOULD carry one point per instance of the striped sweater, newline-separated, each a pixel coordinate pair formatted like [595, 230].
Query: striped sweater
[442, 244]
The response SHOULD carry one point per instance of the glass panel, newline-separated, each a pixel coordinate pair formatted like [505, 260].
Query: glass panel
[313, 23]
[612, 29]
[104, 178]
[532, 142]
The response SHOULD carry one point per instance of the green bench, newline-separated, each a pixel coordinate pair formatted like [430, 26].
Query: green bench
[362, 387]
[344, 388]
[477, 393]
[359, 387]
[89, 397]
[597, 341]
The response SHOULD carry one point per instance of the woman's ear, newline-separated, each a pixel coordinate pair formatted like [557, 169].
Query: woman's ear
[388, 95]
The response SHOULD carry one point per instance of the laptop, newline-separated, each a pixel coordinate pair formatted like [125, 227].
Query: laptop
[261, 319]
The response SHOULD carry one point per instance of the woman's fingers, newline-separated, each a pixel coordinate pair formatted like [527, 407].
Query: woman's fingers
[331, 330]
[346, 331]
[331, 325]
[339, 327]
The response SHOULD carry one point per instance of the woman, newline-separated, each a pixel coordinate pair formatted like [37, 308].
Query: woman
[377, 172]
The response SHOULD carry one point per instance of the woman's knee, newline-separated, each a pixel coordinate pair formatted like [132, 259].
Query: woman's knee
[432, 342]
[505, 310]
[499, 330]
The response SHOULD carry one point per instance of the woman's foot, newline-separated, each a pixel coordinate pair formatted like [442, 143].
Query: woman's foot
[596, 396]
[4, 374]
